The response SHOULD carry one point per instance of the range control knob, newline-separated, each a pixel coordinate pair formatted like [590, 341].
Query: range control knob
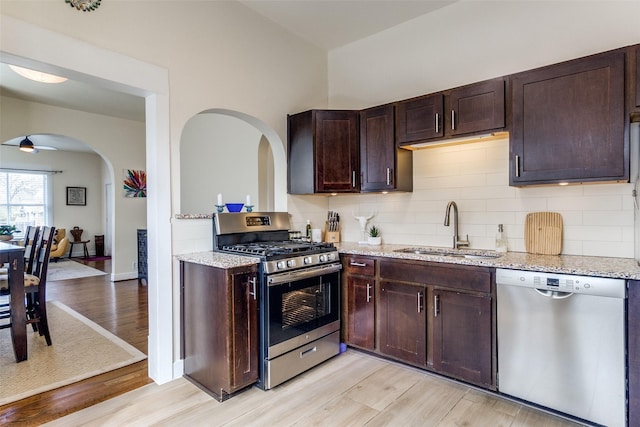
[280, 265]
[307, 260]
[330, 257]
[323, 258]
[291, 263]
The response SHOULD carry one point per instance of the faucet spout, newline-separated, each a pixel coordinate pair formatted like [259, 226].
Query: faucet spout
[457, 243]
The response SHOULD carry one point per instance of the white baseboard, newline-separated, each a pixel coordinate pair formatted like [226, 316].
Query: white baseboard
[124, 276]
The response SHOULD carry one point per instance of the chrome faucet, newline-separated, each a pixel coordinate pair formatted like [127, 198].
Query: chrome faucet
[457, 243]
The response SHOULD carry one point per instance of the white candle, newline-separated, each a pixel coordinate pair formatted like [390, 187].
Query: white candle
[248, 200]
[219, 199]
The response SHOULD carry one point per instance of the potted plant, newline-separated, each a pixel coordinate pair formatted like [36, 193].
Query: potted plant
[6, 232]
[374, 236]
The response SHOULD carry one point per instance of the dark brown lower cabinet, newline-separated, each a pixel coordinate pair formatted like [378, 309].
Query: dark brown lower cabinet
[219, 327]
[462, 336]
[402, 322]
[633, 333]
[361, 329]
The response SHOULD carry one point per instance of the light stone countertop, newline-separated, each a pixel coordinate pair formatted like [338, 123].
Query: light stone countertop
[622, 268]
[218, 259]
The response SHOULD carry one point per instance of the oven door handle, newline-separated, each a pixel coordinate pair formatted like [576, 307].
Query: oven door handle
[277, 279]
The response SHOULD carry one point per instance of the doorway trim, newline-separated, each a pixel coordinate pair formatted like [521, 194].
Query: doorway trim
[27, 45]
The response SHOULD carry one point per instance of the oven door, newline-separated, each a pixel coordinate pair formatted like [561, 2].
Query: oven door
[301, 306]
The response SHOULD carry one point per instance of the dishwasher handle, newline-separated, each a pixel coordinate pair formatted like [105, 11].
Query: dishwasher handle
[553, 294]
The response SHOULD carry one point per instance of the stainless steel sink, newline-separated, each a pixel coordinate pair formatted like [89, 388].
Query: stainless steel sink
[469, 254]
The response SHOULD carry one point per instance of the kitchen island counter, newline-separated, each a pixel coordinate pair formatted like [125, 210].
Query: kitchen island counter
[622, 268]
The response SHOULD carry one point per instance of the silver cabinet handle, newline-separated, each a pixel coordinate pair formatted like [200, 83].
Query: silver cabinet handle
[436, 305]
[253, 293]
[517, 166]
[306, 352]
[419, 302]
[453, 119]
[368, 292]
[437, 122]
[388, 176]
[353, 179]
[357, 264]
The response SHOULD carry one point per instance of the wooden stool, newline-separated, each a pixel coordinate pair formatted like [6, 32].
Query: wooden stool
[84, 244]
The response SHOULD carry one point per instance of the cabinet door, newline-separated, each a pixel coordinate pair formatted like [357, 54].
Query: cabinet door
[462, 336]
[336, 151]
[419, 118]
[377, 149]
[403, 322]
[477, 108]
[244, 330]
[633, 339]
[361, 312]
[569, 122]
[637, 77]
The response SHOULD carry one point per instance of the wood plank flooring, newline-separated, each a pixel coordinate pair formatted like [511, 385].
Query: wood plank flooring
[353, 389]
[119, 307]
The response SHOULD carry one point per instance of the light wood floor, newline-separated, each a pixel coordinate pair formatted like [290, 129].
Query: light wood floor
[353, 389]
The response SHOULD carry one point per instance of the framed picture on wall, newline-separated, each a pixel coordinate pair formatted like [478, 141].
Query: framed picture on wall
[77, 196]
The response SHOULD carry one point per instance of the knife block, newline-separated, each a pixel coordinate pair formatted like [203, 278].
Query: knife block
[331, 236]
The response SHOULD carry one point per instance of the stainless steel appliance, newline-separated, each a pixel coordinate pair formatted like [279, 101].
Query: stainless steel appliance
[299, 292]
[561, 343]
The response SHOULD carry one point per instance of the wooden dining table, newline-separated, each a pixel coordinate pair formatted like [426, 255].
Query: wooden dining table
[14, 256]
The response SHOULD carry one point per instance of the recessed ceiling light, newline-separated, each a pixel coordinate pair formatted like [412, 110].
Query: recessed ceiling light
[37, 76]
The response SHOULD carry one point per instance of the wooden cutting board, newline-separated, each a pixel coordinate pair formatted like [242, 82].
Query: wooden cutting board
[543, 233]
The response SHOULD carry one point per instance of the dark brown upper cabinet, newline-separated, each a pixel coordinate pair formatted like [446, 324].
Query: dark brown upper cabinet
[323, 152]
[419, 118]
[468, 110]
[634, 92]
[476, 108]
[568, 122]
[384, 167]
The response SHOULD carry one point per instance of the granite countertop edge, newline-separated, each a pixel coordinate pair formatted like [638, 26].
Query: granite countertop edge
[617, 268]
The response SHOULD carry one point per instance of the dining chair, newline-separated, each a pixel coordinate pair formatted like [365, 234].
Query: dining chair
[35, 281]
[35, 285]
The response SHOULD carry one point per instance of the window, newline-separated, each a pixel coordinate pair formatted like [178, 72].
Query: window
[24, 199]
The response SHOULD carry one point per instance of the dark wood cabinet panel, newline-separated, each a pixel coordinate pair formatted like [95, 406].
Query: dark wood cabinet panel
[361, 312]
[479, 107]
[323, 152]
[462, 338]
[568, 122]
[633, 332]
[402, 322]
[420, 118]
[219, 328]
[637, 78]
[384, 167]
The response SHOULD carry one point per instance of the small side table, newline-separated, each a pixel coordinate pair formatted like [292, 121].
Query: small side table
[84, 244]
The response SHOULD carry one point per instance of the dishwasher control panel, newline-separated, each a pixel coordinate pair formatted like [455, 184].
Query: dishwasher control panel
[588, 285]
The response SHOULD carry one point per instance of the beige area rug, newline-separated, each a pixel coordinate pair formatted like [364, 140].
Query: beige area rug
[68, 269]
[81, 349]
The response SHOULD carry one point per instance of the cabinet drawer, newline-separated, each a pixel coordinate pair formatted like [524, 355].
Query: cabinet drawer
[463, 278]
[359, 265]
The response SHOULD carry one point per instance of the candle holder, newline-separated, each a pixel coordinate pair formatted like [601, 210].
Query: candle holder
[220, 208]
[249, 208]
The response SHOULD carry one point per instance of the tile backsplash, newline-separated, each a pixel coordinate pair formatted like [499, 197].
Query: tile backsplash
[598, 219]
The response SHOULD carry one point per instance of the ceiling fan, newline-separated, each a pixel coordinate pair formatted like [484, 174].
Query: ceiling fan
[28, 146]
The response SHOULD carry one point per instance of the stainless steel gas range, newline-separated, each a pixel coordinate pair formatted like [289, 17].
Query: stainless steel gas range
[298, 292]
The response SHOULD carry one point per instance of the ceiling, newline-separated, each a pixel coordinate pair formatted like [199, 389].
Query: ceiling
[327, 24]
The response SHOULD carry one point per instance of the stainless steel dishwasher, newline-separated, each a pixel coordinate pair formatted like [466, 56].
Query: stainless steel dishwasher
[561, 343]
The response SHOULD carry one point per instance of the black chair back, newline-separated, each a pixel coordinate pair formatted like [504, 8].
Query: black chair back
[30, 247]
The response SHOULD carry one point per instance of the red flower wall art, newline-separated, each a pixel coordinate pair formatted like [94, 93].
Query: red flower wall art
[135, 183]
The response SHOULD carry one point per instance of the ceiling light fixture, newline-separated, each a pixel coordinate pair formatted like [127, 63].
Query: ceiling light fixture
[37, 76]
[84, 5]
[27, 146]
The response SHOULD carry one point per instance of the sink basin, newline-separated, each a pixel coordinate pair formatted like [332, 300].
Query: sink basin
[469, 254]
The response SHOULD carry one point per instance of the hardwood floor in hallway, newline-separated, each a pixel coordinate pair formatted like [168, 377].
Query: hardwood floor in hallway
[120, 308]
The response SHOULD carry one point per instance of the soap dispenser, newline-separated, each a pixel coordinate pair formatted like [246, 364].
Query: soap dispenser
[501, 240]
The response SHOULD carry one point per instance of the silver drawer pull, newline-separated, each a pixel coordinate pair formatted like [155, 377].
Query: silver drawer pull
[357, 264]
[311, 350]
